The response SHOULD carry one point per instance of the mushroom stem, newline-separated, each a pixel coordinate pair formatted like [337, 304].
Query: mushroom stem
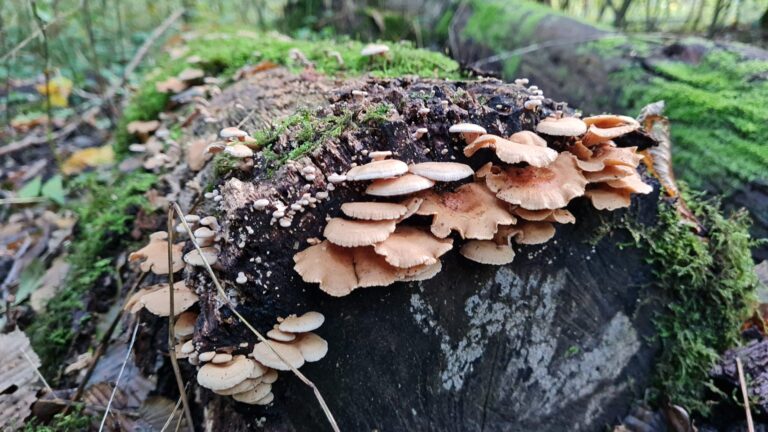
[174, 207]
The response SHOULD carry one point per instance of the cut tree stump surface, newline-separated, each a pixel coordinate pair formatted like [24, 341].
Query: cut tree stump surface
[557, 340]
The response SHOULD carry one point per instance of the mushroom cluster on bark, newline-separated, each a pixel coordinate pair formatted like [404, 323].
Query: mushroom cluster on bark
[515, 199]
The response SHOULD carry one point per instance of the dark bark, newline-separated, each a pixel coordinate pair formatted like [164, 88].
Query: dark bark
[558, 340]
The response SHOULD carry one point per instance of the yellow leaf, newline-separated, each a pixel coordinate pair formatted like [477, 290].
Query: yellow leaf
[58, 89]
[85, 158]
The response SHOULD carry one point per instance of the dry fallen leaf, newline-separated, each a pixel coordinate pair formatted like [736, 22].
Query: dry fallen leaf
[49, 284]
[18, 379]
[88, 158]
[58, 90]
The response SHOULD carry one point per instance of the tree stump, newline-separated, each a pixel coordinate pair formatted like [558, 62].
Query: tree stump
[558, 340]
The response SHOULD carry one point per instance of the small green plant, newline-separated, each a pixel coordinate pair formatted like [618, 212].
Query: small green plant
[74, 421]
[377, 114]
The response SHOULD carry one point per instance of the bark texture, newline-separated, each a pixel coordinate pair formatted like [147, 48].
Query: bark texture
[557, 340]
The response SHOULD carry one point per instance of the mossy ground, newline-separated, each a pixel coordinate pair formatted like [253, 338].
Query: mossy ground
[709, 283]
[74, 421]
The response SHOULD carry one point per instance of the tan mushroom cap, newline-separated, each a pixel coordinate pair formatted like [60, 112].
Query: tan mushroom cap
[406, 184]
[532, 233]
[280, 336]
[196, 154]
[378, 169]
[155, 255]
[424, 272]
[312, 347]
[206, 356]
[607, 127]
[301, 324]
[606, 154]
[374, 49]
[604, 197]
[266, 400]
[254, 395]
[190, 74]
[633, 183]
[232, 132]
[157, 301]
[409, 247]
[412, 205]
[442, 171]
[469, 131]
[472, 211]
[485, 170]
[221, 358]
[374, 210]
[224, 375]
[238, 150]
[487, 252]
[373, 270]
[379, 155]
[528, 138]
[563, 126]
[351, 233]
[210, 253]
[269, 377]
[262, 354]
[580, 150]
[609, 173]
[535, 188]
[562, 216]
[241, 387]
[171, 85]
[185, 324]
[331, 266]
[513, 152]
[142, 127]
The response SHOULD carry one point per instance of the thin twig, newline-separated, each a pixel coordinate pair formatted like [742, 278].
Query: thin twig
[175, 207]
[173, 414]
[47, 74]
[39, 375]
[105, 340]
[120, 375]
[171, 333]
[745, 395]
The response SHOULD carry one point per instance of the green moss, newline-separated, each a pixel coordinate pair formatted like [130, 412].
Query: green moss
[223, 53]
[74, 421]
[377, 114]
[718, 123]
[105, 218]
[709, 285]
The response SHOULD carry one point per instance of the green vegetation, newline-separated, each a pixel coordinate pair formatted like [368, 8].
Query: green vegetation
[222, 54]
[718, 123]
[709, 285]
[377, 114]
[105, 220]
[74, 421]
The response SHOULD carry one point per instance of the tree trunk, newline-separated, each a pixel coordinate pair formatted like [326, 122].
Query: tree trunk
[558, 340]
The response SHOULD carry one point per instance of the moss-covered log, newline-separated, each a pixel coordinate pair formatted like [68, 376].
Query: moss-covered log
[712, 90]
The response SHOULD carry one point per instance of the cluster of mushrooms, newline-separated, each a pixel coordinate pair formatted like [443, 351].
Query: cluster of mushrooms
[516, 199]
[248, 379]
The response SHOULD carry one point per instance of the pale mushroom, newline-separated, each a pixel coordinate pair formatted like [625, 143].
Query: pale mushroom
[225, 375]
[528, 138]
[373, 210]
[232, 132]
[409, 247]
[154, 256]
[329, 265]
[254, 395]
[469, 131]
[535, 188]
[142, 128]
[210, 253]
[262, 354]
[190, 74]
[351, 233]
[532, 233]
[239, 151]
[406, 184]
[372, 50]
[171, 85]
[632, 183]
[185, 325]
[513, 152]
[607, 127]
[562, 126]
[609, 173]
[221, 358]
[378, 169]
[157, 299]
[302, 324]
[472, 211]
[280, 336]
[241, 387]
[312, 347]
[206, 356]
[604, 197]
[606, 154]
[487, 252]
[562, 216]
[442, 171]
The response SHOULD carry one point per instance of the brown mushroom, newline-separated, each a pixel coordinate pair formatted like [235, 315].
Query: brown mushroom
[406, 184]
[562, 216]
[535, 188]
[157, 299]
[604, 197]
[607, 127]
[532, 233]
[410, 247]
[171, 85]
[472, 211]
[562, 126]
[607, 154]
[487, 252]
[609, 173]
[373, 210]
[351, 233]
[513, 152]
[329, 265]
[154, 256]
